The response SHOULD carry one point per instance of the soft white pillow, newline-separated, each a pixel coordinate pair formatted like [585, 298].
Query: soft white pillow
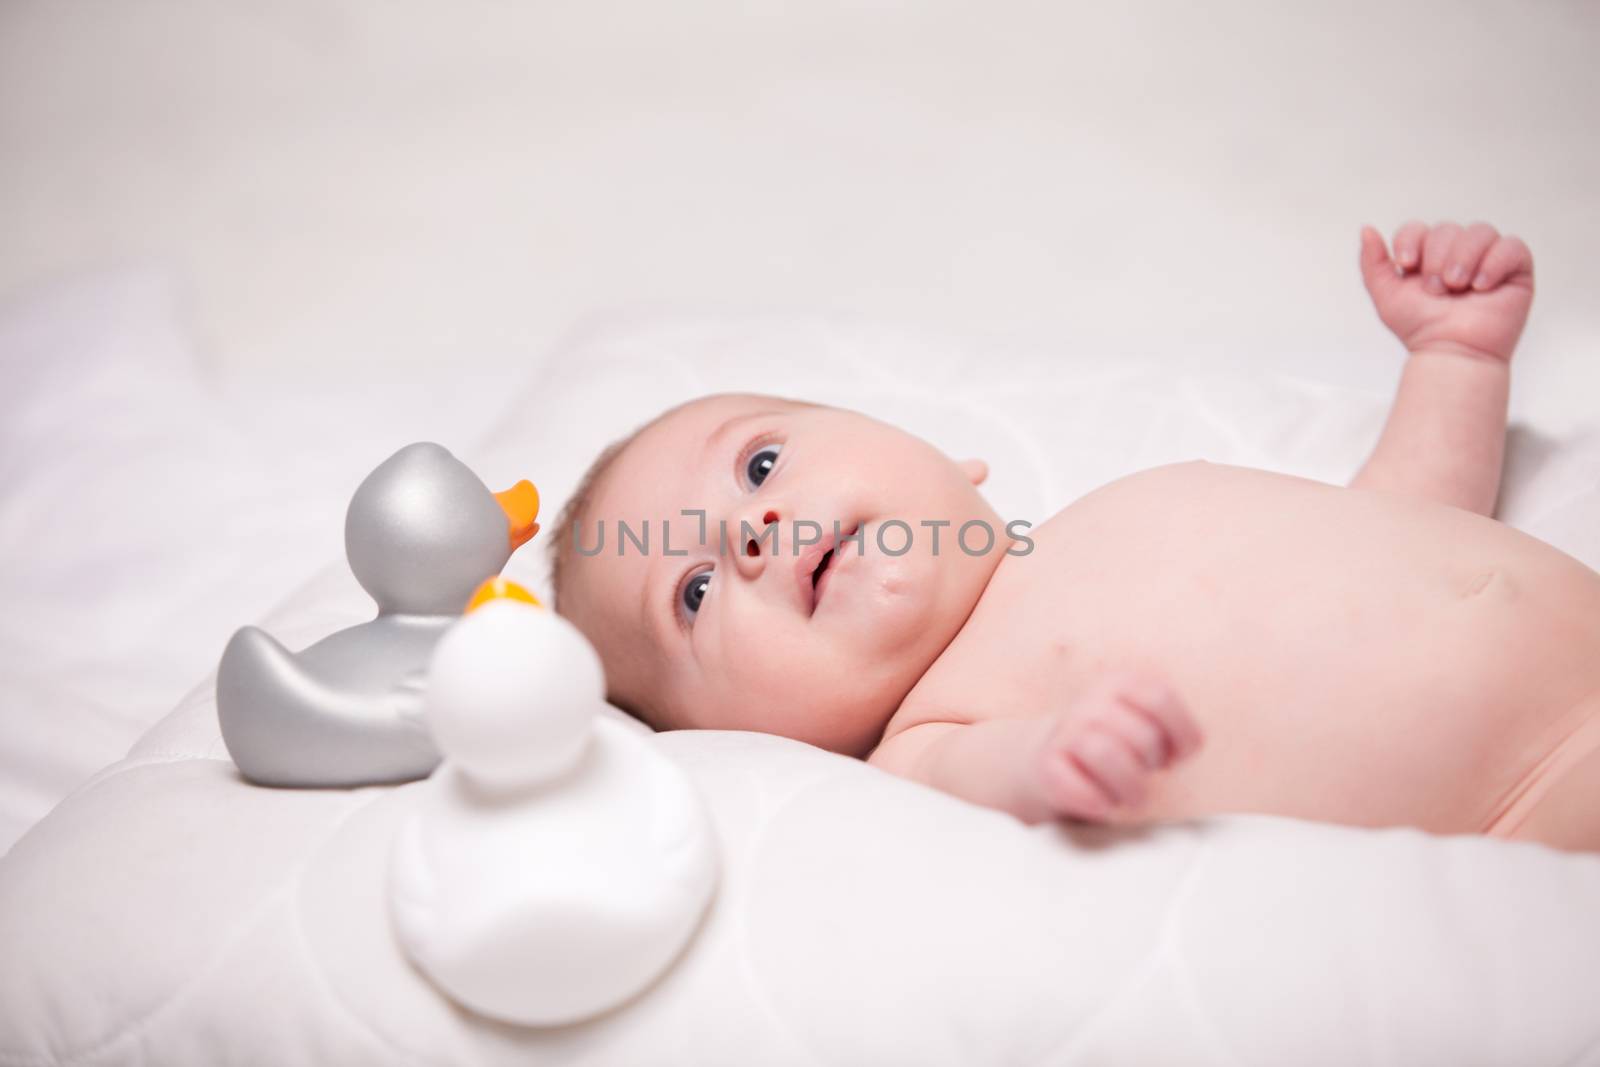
[168, 912]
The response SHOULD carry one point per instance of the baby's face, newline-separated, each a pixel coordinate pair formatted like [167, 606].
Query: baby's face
[740, 639]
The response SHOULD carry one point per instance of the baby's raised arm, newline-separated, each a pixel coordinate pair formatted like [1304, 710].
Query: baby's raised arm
[1090, 761]
[1457, 299]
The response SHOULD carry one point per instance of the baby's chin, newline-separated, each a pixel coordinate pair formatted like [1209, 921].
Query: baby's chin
[851, 728]
[834, 703]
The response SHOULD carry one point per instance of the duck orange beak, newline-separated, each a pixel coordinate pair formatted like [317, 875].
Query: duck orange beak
[500, 589]
[521, 505]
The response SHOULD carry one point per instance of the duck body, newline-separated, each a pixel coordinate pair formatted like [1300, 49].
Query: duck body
[421, 532]
[557, 863]
[341, 712]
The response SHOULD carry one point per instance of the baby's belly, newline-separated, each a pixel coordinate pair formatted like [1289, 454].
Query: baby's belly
[1351, 656]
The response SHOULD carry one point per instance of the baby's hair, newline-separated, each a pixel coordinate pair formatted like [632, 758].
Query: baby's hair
[572, 513]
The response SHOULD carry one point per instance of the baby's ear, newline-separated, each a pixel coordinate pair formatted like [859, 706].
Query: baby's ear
[976, 470]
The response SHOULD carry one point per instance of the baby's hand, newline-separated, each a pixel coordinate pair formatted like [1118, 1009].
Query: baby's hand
[1450, 289]
[1099, 753]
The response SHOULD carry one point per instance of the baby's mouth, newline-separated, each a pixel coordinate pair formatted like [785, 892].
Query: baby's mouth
[816, 575]
[822, 569]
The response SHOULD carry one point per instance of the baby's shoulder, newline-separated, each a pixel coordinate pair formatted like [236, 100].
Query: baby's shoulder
[1196, 482]
[1141, 490]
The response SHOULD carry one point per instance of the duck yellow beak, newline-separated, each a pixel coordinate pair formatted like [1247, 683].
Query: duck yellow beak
[521, 505]
[500, 589]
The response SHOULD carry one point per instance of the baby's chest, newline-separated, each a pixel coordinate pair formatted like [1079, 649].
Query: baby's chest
[1346, 656]
[1254, 593]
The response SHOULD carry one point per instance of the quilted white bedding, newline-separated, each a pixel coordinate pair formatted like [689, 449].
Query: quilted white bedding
[169, 913]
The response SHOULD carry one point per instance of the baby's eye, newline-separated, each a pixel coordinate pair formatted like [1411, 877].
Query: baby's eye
[761, 463]
[694, 591]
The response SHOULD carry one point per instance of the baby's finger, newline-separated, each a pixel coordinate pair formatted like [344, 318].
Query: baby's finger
[1142, 734]
[1436, 254]
[1377, 270]
[1408, 245]
[1466, 253]
[1507, 258]
[1111, 764]
[1162, 705]
[1069, 791]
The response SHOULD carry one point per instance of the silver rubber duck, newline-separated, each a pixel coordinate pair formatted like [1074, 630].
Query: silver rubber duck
[421, 535]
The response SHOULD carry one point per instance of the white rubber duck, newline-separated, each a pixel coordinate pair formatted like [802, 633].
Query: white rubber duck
[557, 863]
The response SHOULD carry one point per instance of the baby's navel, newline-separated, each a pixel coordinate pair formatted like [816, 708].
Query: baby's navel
[1487, 580]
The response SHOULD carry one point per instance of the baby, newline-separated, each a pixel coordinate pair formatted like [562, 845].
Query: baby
[1375, 655]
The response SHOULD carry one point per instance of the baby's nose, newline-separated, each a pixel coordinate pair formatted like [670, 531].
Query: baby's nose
[757, 541]
[766, 534]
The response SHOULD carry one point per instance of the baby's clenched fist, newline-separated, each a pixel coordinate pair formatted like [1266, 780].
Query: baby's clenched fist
[1098, 755]
[1450, 289]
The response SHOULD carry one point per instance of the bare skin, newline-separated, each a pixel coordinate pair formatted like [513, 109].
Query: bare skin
[1189, 640]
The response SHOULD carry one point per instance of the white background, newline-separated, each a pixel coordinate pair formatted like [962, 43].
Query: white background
[362, 189]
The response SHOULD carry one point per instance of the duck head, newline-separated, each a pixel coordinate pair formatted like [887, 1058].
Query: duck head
[423, 531]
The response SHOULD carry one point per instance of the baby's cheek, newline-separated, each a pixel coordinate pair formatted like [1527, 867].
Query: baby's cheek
[893, 604]
[764, 668]
[760, 670]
